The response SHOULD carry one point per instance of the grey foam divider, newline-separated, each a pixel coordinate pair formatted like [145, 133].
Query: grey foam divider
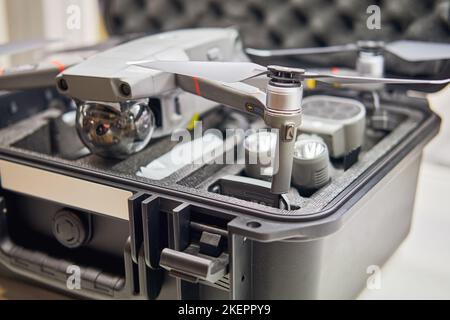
[196, 178]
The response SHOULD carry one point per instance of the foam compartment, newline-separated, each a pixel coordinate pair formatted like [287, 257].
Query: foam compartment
[36, 136]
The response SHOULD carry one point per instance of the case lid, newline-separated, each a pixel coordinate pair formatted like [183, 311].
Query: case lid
[285, 24]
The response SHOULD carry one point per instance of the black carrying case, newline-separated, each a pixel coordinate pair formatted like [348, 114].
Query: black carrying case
[122, 257]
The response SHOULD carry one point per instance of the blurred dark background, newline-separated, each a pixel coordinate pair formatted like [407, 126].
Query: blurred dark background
[294, 23]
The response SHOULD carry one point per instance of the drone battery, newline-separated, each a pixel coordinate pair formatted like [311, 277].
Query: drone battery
[339, 121]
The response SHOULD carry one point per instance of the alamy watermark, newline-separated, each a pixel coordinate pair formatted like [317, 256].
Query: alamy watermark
[74, 277]
[373, 21]
[213, 146]
[374, 280]
[73, 20]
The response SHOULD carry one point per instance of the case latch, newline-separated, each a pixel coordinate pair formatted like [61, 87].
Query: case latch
[205, 261]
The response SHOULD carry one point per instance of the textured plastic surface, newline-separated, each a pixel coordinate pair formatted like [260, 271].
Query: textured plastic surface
[270, 24]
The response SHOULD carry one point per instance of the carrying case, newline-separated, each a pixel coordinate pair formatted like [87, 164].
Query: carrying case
[133, 237]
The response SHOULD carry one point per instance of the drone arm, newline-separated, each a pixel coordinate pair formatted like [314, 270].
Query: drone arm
[247, 98]
[29, 76]
[34, 75]
[240, 96]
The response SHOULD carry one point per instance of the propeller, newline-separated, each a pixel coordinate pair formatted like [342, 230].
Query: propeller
[24, 45]
[408, 50]
[240, 71]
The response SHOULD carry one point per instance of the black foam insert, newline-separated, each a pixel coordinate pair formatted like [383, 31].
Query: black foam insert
[296, 23]
[32, 137]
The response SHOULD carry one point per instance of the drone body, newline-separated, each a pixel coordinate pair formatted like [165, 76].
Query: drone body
[107, 79]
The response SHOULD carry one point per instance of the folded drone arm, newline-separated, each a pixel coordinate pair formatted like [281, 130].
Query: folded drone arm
[32, 76]
[237, 95]
[250, 99]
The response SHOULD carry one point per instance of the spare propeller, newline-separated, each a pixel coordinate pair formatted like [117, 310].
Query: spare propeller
[240, 71]
[408, 50]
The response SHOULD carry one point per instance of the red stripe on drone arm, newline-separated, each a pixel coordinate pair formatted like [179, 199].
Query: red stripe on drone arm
[335, 70]
[59, 65]
[197, 86]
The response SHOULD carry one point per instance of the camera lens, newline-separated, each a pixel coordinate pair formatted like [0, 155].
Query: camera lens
[115, 131]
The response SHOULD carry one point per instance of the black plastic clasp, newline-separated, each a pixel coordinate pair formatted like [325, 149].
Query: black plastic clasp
[136, 229]
[154, 223]
[211, 244]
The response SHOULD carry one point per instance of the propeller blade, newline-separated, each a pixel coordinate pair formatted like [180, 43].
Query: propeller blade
[240, 71]
[419, 50]
[218, 71]
[407, 50]
[367, 80]
[23, 46]
[301, 51]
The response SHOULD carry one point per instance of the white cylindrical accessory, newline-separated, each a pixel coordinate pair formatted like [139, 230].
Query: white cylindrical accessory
[311, 164]
[370, 64]
[259, 154]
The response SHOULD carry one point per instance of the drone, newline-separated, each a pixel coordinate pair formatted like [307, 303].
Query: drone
[114, 90]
